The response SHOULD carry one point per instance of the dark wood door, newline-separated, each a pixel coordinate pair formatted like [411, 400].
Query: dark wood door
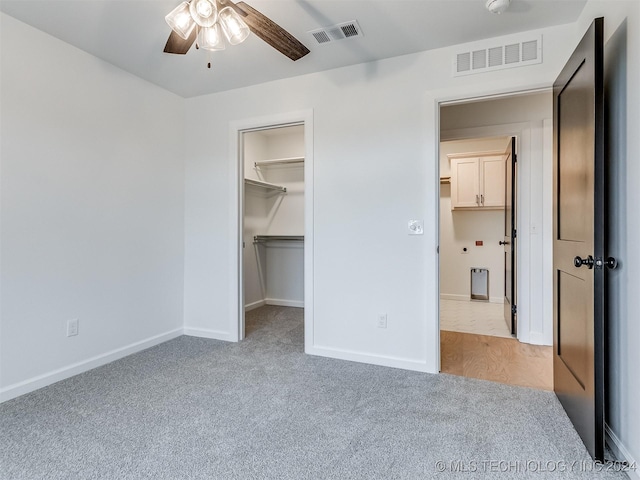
[509, 241]
[578, 239]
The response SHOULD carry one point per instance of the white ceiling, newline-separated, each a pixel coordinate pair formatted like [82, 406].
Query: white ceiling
[131, 34]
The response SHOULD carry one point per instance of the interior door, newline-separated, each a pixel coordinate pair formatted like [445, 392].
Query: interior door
[509, 241]
[578, 239]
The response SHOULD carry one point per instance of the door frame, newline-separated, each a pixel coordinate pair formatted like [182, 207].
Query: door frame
[522, 132]
[236, 158]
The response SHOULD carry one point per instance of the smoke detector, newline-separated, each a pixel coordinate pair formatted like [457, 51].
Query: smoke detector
[497, 6]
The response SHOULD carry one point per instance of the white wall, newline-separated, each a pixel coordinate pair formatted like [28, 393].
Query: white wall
[622, 76]
[528, 114]
[285, 273]
[461, 229]
[92, 185]
[375, 168]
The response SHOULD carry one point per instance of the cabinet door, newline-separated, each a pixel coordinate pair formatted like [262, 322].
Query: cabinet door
[492, 186]
[465, 182]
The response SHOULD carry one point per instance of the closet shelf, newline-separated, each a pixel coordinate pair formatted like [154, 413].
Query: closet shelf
[278, 238]
[265, 185]
[278, 161]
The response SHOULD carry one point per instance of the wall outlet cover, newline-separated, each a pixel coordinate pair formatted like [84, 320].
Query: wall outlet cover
[72, 327]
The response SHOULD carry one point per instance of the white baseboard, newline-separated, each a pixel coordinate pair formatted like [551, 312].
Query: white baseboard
[273, 301]
[621, 452]
[285, 303]
[253, 305]
[384, 361]
[213, 334]
[26, 386]
[457, 298]
[466, 298]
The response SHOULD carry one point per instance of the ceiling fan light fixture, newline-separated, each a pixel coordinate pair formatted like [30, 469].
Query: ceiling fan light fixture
[204, 12]
[181, 21]
[233, 26]
[211, 38]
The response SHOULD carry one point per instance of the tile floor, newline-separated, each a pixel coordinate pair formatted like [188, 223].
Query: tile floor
[481, 318]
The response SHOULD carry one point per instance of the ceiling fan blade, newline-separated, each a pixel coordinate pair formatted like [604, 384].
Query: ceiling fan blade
[178, 45]
[270, 32]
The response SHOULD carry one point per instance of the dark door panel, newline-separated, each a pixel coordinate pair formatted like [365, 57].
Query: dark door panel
[578, 239]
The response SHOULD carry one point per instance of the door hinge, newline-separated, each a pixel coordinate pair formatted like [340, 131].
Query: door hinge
[515, 159]
[515, 233]
[514, 309]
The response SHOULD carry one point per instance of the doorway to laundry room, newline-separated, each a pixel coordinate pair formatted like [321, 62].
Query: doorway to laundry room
[472, 220]
[273, 228]
[495, 253]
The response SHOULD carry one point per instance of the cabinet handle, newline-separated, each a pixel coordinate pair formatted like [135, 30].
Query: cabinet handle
[478, 199]
[482, 199]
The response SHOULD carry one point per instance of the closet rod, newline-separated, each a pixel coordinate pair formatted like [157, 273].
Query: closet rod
[278, 238]
[278, 161]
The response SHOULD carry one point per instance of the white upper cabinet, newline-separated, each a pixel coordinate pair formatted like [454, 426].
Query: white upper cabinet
[492, 175]
[477, 182]
[465, 181]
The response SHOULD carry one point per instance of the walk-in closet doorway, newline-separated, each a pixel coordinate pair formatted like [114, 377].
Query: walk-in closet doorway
[274, 246]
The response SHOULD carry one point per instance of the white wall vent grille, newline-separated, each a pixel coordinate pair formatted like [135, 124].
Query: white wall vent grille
[464, 62]
[479, 59]
[512, 53]
[529, 50]
[498, 57]
[337, 32]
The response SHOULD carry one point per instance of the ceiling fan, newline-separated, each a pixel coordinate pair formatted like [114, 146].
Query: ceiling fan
[209, 22]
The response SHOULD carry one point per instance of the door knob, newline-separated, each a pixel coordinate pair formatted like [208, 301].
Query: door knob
[611, 263]
[578, 262]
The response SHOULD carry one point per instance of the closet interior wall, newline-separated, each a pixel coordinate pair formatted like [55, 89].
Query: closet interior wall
[274, 269]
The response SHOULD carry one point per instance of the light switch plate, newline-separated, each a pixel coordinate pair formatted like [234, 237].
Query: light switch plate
[416, 227]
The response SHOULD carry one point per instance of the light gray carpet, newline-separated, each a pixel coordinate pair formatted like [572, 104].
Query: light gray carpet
[260, 409]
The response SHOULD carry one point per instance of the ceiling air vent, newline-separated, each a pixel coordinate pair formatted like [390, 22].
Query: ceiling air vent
[321, 36]
[498, 57]
[337, 32]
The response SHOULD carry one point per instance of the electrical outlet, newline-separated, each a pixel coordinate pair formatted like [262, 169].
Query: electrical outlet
[382, 320]
[72, 327]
